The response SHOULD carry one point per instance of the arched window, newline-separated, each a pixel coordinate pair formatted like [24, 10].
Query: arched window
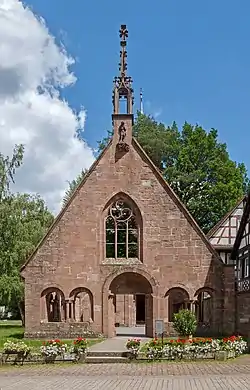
[53, 305]
[82, 309]
[121, 232]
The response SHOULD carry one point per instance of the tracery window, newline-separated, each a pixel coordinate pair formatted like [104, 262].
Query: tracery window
[121, 232]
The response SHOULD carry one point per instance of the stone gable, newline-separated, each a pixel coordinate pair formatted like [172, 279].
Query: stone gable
[75, 246]
[174, 251]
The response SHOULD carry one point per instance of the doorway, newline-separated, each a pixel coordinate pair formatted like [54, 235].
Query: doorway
[140, 309]
[131, 309]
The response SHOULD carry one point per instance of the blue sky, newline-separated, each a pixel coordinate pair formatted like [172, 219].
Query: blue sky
[191, 58]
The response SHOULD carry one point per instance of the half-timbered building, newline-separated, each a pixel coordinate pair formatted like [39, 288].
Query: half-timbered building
[241, 256]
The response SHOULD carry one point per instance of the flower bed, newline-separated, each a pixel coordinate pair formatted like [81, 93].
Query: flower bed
[53, 348]
[79, 348]
[133, 347]
[197, 348]
[15, 347]
[49, 351]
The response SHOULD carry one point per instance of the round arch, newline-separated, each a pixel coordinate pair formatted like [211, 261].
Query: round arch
[147, 290]
[151, 279]
[52, 289]
[82, 309]
[209, 290]
[178, 288]
[52, 304]
[205, 304]
[177, 298]
[78, 290]
[130, 283]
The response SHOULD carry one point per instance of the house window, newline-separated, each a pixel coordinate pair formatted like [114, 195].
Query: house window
[121, 232]
[244, 267]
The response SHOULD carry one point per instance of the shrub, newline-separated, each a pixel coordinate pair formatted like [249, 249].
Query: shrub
[185, 323]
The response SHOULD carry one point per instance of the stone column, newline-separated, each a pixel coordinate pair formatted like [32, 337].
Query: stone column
[63, 311]
[43, 309]
[149, 303]
[119, 315]
[111, 316]
[192, 306]
[166, 308]
[126, 310]
[77, 308]
[134, 310]
[67, 310]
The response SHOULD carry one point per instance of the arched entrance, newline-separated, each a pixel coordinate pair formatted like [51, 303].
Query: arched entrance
[130, 303]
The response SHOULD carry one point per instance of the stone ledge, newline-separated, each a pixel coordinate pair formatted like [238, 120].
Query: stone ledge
[65, 335]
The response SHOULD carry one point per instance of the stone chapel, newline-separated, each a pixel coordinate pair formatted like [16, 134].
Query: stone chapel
[125, 251]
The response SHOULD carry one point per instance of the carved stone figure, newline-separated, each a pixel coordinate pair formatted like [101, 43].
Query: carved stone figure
[122, 132]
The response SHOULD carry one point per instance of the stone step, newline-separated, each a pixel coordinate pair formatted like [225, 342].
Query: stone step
[107, 353]
[106, 359]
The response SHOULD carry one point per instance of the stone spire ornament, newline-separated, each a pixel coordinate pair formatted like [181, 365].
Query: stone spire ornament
[123, 91]
[123, 84]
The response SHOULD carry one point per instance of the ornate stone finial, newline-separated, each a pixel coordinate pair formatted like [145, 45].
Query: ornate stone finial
[123, 83]
[123, 52]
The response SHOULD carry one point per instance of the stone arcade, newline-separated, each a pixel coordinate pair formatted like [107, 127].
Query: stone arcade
[124, 250]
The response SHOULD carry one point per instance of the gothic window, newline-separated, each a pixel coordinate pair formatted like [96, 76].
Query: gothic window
[121, 232]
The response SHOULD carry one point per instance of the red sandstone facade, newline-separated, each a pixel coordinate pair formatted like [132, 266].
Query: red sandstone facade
[125, 251]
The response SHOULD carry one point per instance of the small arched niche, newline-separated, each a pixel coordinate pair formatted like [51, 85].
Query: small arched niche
[82, 309]
[52, 305]
[123, 229]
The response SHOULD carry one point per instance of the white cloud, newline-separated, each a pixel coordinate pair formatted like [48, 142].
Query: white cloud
[155, 112]
[33, 68]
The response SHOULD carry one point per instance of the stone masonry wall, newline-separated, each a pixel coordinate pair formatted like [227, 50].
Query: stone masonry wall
[173, 253]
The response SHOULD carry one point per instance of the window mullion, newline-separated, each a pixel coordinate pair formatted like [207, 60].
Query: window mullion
[127, 239]
[115, 240]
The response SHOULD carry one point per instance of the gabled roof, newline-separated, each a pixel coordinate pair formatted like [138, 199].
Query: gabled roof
[223, 234]
[64, 209]
[176, 200]
[161, 180]
[243, 222]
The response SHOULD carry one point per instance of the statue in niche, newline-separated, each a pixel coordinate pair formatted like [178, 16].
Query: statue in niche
[122, 132]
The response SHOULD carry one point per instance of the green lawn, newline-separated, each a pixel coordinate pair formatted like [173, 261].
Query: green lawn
[10, 330]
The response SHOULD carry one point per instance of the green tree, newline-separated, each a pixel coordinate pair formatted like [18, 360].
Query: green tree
[195, 164]
[72, 186]
[24, 220]
[8, 168]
